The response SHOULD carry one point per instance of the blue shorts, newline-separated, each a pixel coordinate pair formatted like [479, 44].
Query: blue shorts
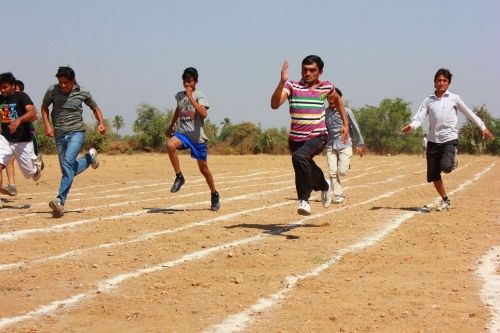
[198, 150]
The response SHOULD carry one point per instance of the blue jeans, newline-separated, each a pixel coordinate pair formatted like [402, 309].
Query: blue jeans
[68, 148]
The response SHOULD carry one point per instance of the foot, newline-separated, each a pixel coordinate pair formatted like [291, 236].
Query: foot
[326, 196]
[38, 165]
[339, 198]
[215, 201]
[179, 181]
[57, 207]
[9, 190]
[443, 205]
[304, 208]
[94, 161]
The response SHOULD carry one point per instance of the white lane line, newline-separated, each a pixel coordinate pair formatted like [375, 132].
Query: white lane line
[18, 234]
[240, 321]
[136, 194]
[489, 271]
[113, 282]
[153, 235]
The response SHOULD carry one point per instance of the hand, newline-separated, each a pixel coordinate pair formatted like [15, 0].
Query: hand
[14, 125]
[49, 131]
[344, 133]
[406, 129]
[360, 150]
[284, 72]
[101, 129]
[189, 92]
[487, 134]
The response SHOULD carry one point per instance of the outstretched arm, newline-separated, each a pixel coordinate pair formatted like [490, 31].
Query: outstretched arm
[279, 96]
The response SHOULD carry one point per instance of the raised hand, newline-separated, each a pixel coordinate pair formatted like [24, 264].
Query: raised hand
[284, 72]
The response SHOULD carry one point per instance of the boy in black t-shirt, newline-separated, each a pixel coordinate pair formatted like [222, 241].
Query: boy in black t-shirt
[16, 113]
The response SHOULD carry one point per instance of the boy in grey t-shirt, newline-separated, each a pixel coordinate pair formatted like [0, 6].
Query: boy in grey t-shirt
[191, 111]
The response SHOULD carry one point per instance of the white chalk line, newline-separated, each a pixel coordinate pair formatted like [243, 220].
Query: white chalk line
[127, 203]
[113, 282]
[156, 234]
[487, 270]
[14, 235]
[240, 321]
[129, 194]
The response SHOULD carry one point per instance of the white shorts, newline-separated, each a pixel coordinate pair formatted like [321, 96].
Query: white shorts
[24, 153]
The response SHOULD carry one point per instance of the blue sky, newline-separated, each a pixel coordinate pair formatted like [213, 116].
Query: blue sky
[128, 52]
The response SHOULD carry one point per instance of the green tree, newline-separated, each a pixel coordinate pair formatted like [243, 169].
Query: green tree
[118, 122]
[150, 126]
[471, 138]
[274, 141]
[45, 144]
[95, 139]
[381, 127]
[210, 130]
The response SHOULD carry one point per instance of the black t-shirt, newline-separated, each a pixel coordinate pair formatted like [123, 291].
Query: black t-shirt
[11, 108]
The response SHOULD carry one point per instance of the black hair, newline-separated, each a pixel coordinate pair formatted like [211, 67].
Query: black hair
[313, 59]
[7, 78]
[337, 90]
[445, 72]
[20, 84]
[66, 71]
[190, 73]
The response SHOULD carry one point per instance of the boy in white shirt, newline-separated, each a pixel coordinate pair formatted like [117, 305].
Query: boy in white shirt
[442, 109]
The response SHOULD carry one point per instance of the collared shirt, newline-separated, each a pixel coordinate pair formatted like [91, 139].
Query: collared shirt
[67, 108]
[334, 125]
[443, 117]
[307, 109]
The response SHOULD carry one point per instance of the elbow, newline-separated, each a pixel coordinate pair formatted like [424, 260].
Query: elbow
[274, 105]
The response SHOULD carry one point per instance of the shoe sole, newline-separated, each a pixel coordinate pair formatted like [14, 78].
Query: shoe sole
[55, 210]
[303, 212]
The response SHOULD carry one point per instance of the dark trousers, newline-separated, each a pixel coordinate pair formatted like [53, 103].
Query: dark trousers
[308, 176]
[440, 158]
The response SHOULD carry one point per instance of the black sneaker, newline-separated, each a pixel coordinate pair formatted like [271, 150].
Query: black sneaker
[215, 202]
[179, 181]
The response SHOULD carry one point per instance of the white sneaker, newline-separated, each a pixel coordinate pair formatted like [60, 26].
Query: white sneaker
[57, 207]
[443, 205]
[95, 162]
[38, 165]
[326, 196]
[304, 208]
[339, 198]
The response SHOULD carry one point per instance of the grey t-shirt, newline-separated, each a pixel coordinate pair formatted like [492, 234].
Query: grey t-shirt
[190, 122]
[67, 109]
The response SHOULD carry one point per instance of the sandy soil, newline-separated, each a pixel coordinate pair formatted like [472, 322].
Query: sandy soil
[129, 256]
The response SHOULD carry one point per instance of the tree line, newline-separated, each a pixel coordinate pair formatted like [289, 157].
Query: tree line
[380, 126]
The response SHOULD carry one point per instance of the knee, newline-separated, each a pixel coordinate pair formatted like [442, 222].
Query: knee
[298, 157]
[171, 146]
[447, 168]
[343, 172]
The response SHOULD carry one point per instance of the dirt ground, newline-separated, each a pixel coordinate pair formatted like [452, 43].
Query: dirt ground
[129, 256]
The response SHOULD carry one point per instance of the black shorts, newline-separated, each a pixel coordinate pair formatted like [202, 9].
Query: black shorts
[440, 158]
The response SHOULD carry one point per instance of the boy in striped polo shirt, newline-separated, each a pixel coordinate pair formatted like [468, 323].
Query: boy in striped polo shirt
[308, 134]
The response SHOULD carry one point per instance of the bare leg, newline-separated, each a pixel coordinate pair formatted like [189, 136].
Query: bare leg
[10, 172]
[439, 185]
[172, 144]
[203, 166]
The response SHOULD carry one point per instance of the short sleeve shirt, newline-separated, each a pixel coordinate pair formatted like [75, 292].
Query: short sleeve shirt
[190, 121]
[67, 110]
[11, 108]
[307, 109]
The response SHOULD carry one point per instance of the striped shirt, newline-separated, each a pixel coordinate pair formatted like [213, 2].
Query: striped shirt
[307, 109]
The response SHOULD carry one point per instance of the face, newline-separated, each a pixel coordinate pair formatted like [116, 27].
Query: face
[189, 82]
[310, 73]
[7, 89]
[441, 84]
[66, 84]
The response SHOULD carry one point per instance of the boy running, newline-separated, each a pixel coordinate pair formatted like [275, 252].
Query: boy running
[442, 109]
[191, 111]
[16, 114]
[67, 98]
[308, 134]
[338, 153]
